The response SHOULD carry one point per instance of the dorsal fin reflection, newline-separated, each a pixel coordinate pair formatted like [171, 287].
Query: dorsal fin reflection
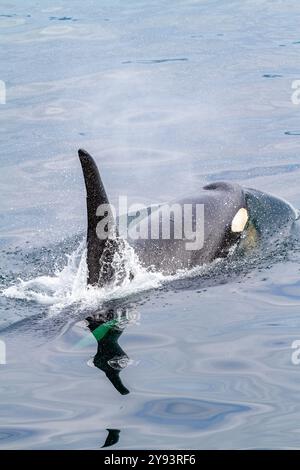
[107, 328]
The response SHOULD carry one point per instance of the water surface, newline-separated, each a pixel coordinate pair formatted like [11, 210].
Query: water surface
[167, 95]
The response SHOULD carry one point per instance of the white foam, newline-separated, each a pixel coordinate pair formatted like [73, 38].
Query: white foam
[69, 285]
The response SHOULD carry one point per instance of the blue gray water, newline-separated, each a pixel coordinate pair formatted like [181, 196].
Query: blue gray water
[167, 95]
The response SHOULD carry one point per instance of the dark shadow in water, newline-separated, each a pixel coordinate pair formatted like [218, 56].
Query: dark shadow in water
[155, 61]
[107, 328]
[272, 75]
[292, 132]
[63, 18]
[112, 438]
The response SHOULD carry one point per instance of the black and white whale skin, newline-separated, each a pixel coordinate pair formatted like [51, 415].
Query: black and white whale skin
[232, 215]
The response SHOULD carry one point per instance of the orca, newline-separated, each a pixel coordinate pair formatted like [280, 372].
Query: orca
[231, 216]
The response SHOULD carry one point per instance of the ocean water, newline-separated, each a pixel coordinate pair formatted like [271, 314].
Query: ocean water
[167, 96]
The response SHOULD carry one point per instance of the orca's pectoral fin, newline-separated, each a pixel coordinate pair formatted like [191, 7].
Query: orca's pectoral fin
[95, 197]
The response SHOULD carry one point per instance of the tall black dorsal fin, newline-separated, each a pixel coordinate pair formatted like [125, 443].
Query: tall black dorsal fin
[95, 196]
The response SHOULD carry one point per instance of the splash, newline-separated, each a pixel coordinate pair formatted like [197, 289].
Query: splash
[68, 285]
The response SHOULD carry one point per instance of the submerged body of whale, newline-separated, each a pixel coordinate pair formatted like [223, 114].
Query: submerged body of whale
[230, 216]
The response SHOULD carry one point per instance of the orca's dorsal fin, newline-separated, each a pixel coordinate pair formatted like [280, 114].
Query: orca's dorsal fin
[95, 196]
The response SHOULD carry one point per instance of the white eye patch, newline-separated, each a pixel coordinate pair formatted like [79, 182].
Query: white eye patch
[239, 220]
